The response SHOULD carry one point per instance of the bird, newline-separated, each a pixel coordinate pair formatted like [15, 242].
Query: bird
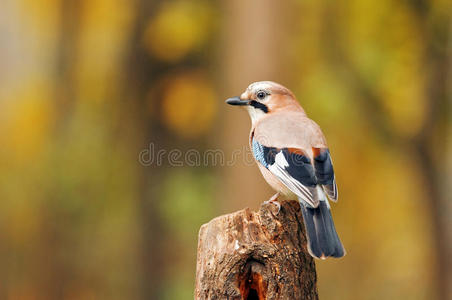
[293, 157]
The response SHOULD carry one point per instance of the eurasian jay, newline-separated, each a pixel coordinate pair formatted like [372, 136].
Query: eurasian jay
[293, 156]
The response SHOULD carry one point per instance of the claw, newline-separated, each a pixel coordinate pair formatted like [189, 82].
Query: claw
[274, 200]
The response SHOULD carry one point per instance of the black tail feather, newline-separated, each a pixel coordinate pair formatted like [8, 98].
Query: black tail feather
[323, 240]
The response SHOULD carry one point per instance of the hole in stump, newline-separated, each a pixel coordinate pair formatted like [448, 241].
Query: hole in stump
[252, 295]
[251, 284]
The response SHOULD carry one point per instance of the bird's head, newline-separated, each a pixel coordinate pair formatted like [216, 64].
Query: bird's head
[266, 97]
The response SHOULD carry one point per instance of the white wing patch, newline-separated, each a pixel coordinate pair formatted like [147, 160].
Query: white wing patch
[309, 195]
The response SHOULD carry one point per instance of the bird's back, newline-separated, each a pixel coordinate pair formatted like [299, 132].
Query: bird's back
[289, 130]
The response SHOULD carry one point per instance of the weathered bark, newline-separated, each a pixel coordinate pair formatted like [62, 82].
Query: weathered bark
[255, 255]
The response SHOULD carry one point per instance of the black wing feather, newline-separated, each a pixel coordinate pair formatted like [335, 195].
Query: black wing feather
[293, 169]
[324, 173]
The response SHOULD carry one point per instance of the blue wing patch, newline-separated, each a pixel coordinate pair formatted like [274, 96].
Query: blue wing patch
[258, 152]
[263, 154]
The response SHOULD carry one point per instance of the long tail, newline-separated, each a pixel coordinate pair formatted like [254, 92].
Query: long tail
[323, 240]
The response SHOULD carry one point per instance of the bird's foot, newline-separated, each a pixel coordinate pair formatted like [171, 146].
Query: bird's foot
[274, 200]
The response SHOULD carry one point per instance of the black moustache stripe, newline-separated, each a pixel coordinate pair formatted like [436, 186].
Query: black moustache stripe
[259, 105]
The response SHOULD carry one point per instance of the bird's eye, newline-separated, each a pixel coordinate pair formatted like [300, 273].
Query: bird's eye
[261, 95]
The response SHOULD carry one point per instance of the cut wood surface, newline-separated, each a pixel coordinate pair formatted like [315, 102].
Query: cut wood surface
[255, 255]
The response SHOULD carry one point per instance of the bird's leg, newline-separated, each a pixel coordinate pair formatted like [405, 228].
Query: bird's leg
[274, 200]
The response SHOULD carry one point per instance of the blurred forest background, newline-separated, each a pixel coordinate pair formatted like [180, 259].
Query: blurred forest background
[85, 86]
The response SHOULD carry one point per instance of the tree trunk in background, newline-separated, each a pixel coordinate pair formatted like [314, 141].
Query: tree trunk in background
[66, 58]
[437, 69]
[140, 72]
[256, 255]
[253, 38]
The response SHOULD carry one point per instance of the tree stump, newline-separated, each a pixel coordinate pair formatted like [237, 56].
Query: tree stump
[255, 255]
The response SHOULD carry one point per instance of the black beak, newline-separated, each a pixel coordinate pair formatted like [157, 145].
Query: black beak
[237, 101]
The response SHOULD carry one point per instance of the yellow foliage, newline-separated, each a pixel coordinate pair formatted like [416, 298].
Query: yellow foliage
[179, 28]
[28, 119]
[189, 104]
[390, 60]
[104, 28]
[41, 18]
[402, 88]
[404, 100]
[75, 206]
